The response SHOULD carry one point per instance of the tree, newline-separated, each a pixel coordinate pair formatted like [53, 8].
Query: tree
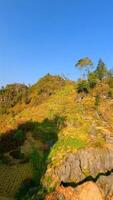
[101, 70]
[84, 63]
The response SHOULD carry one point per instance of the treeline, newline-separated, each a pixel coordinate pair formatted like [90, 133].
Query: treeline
[91, 76]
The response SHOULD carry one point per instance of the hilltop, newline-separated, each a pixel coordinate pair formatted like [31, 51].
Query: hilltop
[63, 129]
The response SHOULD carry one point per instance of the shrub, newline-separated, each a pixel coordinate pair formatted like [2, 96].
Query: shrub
[92, 79]
[83, 86]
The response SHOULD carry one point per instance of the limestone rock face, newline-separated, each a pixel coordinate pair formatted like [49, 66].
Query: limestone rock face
[86, 162]
[76, 167]
[87, 191]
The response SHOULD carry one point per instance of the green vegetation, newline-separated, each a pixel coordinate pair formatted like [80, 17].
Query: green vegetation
[92, 79]
[45, 87]
[11, 95]
[19, 135]
[66, 145]
[83, 86]
[37, 161]
[24, 190]
[101, 70]
[84, 63]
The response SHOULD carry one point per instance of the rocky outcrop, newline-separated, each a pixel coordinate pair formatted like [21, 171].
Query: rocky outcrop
[87, 191]
[87, 163]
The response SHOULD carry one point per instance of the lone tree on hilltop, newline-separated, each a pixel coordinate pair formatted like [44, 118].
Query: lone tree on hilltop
[84, 63]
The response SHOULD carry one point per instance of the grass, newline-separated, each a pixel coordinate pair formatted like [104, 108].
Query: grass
[64, 146]
[68, 143]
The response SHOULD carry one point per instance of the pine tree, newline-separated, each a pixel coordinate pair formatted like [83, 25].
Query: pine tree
[101, 70]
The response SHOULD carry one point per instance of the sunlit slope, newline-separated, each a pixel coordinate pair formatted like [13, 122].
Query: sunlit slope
[81, 119]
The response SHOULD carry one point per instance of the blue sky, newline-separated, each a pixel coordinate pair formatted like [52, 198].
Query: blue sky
[41, 36]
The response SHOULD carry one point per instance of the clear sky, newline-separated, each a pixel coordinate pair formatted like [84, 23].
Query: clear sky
[41, 36]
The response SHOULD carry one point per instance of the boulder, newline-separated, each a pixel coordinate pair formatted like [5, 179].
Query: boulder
[86, 191]
[89, 191]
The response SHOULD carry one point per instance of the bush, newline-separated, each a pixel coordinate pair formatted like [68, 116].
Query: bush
[92, 79]
[83, 86]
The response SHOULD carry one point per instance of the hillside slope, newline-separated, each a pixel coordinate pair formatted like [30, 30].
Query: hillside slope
[62, 121]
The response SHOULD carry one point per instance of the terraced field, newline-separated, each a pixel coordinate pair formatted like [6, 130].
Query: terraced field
[11, 178]
[5, 198]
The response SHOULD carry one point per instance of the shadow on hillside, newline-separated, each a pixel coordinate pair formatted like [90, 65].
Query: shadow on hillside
[46, 132]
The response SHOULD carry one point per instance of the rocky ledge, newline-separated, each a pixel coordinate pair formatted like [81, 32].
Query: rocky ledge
[89, 162]
[100, 190]
[87, 168]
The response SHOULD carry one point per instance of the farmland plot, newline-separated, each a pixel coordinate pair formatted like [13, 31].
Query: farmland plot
[11, 177]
